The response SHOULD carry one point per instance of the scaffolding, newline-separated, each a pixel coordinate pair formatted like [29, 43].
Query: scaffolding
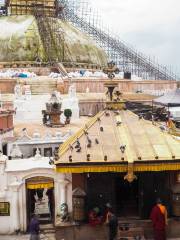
[128, 59]
[82, 16]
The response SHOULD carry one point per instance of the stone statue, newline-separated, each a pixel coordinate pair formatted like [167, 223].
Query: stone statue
[3, 160]
[18, 91]
[64, 214]
[72, 91]
[27, 92]
[38, 154]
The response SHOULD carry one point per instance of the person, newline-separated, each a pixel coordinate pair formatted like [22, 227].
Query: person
[94, 218]
[113, 225]
[34, 228]
[159, 220]
[108, 209]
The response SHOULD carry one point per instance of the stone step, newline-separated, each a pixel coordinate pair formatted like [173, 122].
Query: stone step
[47, 237]
[47, 226]
[48, 231]
[42, 85]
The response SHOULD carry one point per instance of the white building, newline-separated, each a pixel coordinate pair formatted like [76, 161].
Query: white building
[18, 178]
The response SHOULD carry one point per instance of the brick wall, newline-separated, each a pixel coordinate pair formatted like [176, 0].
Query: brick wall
[97, 85]
[6, 121]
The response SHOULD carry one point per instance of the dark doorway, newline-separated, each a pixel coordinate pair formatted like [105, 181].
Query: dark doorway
[40, 200]
[111, 188]
[4, 149]
[126, 197]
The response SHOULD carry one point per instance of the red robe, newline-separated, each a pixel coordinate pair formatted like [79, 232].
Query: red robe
[94, 220]
[159, 223]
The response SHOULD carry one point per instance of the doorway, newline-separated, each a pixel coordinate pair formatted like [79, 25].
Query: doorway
[127, 200]
[4, 149]
[40, 199]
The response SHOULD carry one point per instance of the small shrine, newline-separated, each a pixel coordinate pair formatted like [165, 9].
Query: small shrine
[51, 116]
[114, 101]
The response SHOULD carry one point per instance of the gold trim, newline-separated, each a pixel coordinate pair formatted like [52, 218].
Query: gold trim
[88, 169]
[120, 168]
[156, 167]
[39, 185]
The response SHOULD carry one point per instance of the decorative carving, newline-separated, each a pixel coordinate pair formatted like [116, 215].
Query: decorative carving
[18, 91]
[38, 155]
[51, 116]
[130, 176]
[72, 91]
[16, 152]
[111, 70]
[64, 214]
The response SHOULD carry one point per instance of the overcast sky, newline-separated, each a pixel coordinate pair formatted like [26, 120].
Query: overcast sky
[151, 26]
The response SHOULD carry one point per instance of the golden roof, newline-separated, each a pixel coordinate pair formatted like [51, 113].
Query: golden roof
[108, 132]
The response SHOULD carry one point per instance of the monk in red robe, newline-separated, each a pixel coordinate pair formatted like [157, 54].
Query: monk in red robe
[159, 220]
[94, 219]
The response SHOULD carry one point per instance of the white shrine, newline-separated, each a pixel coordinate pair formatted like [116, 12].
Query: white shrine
[72, 102]
[20, 177]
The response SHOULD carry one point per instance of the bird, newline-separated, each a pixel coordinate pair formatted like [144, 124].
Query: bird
[96, 141]
[101, 129]
[88, 157]
[123, 148]
[71, 147]
[77, 144]
[107, 114]
[118, 123]
[51, 161]
[85, 132]
[70, 158]
[89, 140]
[78, 150]
[89, 145]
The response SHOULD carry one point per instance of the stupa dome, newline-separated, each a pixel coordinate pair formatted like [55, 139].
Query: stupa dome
[20, 40]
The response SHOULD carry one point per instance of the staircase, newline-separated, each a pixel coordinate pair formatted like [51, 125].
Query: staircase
[47, 232]
[130, 231]
[42, 85]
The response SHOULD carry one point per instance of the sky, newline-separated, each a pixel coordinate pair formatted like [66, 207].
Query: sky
[151, 26]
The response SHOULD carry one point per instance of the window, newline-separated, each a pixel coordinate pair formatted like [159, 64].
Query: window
[48, 152]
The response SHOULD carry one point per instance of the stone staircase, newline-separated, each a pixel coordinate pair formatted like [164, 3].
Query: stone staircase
[42, 85]
[47, 232]
[128, 231]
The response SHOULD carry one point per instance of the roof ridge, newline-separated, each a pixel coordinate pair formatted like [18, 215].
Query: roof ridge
[65, 146]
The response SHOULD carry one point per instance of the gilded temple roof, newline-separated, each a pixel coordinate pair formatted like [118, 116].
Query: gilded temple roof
[113, 138]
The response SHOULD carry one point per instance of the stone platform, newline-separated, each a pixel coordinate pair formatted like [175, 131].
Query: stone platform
[87, 232]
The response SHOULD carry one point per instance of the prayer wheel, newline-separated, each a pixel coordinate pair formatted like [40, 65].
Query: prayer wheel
[79, 205]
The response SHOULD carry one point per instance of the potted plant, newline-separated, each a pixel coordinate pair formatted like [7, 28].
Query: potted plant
[67, 114]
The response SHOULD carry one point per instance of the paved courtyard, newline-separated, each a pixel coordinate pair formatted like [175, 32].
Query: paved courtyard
[43, 237]
[26, 237]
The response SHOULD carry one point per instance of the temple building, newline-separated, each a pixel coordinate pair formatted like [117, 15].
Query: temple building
[122, 159]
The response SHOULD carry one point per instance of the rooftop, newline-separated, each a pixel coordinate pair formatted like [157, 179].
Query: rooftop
[118, 139]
